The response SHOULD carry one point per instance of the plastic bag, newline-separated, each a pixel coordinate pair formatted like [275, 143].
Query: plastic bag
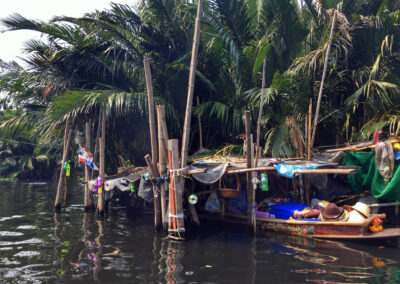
[384, 159]
[212, 204]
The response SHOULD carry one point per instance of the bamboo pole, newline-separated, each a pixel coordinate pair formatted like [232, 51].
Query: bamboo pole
[321, 88]
[178, 215]
[58, 201]
[102, 144]
[260, 111]
[162, 159]
[152, 124]
[153, 140]
[88, 200]
[157, 204]
[271, 169]
[250, 190]
[309, 131]
[327, 171]
[200, 127]
[192, 76]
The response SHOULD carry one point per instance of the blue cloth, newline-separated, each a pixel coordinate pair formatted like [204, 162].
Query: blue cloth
[287, 170]
[396, 154]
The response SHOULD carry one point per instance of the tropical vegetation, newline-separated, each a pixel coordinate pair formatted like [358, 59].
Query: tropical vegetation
[79, 63]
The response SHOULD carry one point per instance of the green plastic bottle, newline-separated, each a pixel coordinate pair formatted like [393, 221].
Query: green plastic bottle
[132, 187]
[264, 182]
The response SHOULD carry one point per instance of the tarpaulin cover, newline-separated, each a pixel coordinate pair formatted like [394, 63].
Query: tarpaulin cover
[213, 174]
[368, 178]
[287, 169]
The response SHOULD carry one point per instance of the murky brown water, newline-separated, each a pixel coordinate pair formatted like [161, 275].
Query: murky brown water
[38, 246]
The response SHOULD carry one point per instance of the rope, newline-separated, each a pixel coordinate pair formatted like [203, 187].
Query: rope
[28, 143]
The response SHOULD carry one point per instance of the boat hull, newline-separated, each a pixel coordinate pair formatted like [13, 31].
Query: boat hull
[327, 230]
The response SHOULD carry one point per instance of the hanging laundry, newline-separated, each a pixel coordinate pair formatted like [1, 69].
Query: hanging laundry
[86, 158]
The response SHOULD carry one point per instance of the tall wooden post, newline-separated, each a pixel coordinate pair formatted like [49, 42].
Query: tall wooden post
[200, 127]
[162, 158]
[250, 193]
[157, 204]
[189, 102]
[88, 200]
[67, 138]
[152, 124]
[153, 139]
[309, 146]
[177, 189]
[260, 111]
[321, 88]
[192, 76]
[102, 144]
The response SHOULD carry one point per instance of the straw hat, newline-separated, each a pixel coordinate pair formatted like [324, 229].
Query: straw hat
[361, 208]
[331, 211]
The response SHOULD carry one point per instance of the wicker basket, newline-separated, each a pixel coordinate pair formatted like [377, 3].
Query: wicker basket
[229, 192]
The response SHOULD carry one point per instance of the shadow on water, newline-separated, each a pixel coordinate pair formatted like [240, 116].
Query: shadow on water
[39, 246]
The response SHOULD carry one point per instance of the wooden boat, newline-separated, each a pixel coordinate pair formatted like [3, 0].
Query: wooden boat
[326, 230]
[312, 229]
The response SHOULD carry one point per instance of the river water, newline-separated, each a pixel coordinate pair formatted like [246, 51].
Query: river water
[39, 246]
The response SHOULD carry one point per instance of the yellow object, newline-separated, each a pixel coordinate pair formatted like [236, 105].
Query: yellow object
[100, 191]
[375, 226]
[396, 146]
[377, 262]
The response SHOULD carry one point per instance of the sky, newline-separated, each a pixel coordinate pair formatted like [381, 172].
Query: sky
[11, 42]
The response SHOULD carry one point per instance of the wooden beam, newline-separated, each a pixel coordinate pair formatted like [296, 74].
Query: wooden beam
[272, 169]
[327, 171]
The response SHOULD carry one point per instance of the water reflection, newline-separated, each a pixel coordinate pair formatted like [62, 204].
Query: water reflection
[71, 247]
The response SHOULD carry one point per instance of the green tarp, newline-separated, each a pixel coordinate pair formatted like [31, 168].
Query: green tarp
[368, 178]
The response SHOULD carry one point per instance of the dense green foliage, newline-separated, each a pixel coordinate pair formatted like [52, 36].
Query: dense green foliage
[82, 62]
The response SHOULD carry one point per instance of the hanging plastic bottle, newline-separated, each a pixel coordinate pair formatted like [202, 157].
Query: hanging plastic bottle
[67, 168]
[264, 182]
[98, 186]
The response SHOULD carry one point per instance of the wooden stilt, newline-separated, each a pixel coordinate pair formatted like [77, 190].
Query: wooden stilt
[250, 201]
[162, 159]
[96, 144]
[102, 144]
[68, 138]
[153, 140]
[88, 200]
[177, 189]
[156, 193]
[321, 88]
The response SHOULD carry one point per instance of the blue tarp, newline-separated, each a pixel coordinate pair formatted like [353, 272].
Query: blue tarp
[287, 170]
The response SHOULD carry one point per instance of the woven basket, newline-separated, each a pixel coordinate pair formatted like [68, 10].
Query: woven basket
[229, 192]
